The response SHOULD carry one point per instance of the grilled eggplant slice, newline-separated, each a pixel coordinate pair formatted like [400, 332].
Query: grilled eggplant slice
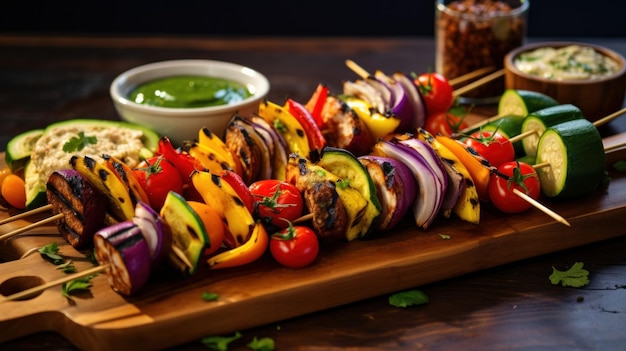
[82, 206]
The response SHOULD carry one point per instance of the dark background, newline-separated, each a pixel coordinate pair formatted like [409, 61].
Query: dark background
[547, 18]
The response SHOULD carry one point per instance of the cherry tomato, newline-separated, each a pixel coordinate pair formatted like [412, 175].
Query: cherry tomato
[492, 146]
[523, 177]
[158, 176]
[446, 123]
[294, 246]
[276, 202]
[436, 92]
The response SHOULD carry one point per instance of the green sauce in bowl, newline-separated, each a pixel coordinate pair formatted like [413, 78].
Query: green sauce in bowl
[189, 91]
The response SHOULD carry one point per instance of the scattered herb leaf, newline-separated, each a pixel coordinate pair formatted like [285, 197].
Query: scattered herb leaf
[408, 298]
[576, 276]
[67, 267]
[263, 344]
[80, 284]
[620, 166]
[219, 343]
[343, 184]
[444, 236]
[51, 252]
[79, 142]
[209, 296]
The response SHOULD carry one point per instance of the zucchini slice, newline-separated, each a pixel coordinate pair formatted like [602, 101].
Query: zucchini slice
[523, 102]
[539, 120]
[19, 148]
[576, 156]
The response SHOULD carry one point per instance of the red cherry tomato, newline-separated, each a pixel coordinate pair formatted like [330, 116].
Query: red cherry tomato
[492, 146]
[276, 202]
[294, 246]
[436, 92]
[523, 177]
[447, 122]
[158, 176]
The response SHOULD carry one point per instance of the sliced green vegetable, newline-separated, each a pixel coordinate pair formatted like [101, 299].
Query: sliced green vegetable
[19, 148]
[188, 232]
[575, 154]
[539, 120]
[346, 166]
[523, 102]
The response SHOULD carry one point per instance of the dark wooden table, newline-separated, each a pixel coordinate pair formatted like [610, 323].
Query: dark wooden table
[511, 307]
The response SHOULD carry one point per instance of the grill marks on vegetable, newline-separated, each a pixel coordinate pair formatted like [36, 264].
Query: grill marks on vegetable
[83, 208]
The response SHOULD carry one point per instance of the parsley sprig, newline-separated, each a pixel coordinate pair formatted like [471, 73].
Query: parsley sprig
[79, 142]
[576, 276]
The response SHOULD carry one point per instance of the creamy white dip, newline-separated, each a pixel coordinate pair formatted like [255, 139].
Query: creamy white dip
[48, 154]
[572, 62]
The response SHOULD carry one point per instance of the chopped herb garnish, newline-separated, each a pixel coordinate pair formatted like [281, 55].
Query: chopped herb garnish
[51, 252]
[219, 343]
[67, 267]
[620, 166]
[209, 296]
[80, 284]
[444, 236]
[79, 142]
[576, 276]
[408, 298]
[263, 344]
[343, 184]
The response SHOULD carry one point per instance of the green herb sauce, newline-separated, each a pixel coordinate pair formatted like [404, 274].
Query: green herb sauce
[189, 91]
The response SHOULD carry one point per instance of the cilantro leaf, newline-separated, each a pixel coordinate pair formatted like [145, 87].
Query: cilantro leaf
[80, 284]
[79, 142]
[576, 276]
[209, 296]
[408, 298]
[263, 344]
[67, 267]
[51, 252]
[219, 343]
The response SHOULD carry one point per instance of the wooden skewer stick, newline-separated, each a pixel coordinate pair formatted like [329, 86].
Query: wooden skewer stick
[481, 123]
[360, 71]
[26, 214]
[609, 117]
[541, 207]
[304, 218]
[470, 75]
[522, 136]
[31, 226]
[475, 84]
[34, 290]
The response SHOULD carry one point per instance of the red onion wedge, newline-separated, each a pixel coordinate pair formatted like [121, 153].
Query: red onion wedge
[156, 232]
[122, 248]
[400, 104]
[396, 188]
[276, 144]
[414, 99]
[428, 173]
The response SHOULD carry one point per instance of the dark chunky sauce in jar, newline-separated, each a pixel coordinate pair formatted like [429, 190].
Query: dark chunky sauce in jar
[473, 34]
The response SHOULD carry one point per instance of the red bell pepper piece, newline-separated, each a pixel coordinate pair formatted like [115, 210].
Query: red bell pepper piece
[316, 103]
[236, 182]
[304, 117]
[184, 163]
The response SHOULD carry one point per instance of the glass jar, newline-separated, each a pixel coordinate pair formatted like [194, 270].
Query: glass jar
[474, 34]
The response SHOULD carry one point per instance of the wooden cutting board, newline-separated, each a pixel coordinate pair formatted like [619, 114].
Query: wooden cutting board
[170, 310]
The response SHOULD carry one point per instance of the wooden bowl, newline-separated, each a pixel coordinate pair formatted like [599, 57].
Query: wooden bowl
[596, 98]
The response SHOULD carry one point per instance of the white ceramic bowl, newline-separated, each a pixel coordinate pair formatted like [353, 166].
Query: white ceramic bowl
[181, 124]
